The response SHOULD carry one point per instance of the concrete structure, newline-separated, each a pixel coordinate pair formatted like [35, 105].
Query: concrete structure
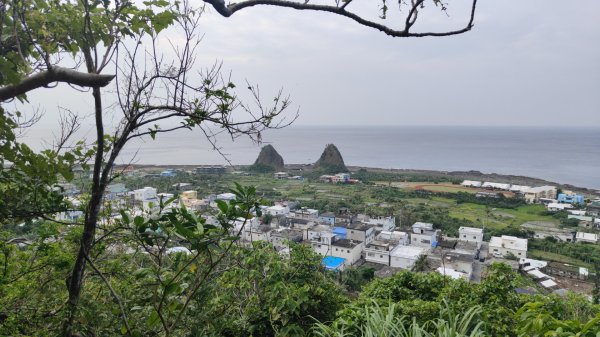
[340, 178]
[593, 208]
[278, 210]
[378, 251]
[405, 256]
[454, 274]
[359, 231]
[502, 246]
[387, 224]
[256, 233]
[146, 193]
[281, 238]
[225, 196]
[542, 231]
[580, 217]
[534, 194]
[328, 217]
[210, 170]
[519, 188]
[189, 194]
[322, 244]
[586, 237]
[470, 234]
[168, 173]
[423, 235]
[347, 249]
[280, 175]
[554, 206]
[471, 183]
[571, 198]
[113, 191]
[496, 186]
[306, 213]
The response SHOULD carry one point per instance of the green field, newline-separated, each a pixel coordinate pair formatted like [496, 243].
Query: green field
[500, 218]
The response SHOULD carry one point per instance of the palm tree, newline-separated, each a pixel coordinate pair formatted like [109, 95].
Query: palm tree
[421, 264]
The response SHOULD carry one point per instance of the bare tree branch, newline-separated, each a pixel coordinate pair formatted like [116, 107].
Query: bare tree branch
[229, 10]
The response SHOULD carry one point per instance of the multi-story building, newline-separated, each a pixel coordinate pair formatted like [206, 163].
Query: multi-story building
[378, 251]
[424, 235]
[505, 245]
[470, 234]
[534, 194]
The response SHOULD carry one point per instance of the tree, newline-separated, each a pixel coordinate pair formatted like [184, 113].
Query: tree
[38, 39]
[421, 264]
[151, 88]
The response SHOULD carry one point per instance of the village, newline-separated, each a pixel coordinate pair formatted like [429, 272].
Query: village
[349, 239]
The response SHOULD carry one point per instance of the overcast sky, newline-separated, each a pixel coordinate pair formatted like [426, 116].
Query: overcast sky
[524, 63]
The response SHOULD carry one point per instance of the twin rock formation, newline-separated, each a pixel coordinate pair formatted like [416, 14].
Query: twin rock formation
[269, 160]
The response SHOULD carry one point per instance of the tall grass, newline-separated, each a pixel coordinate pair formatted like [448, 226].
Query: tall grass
[383, 322]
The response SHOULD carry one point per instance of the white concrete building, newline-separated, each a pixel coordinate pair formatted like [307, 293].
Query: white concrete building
[554, 206]
[453, 274]
[146, 193]
[471, 183]
[586, 237]
[321, 244]
[347, 249]
[278, 210]
[502, 246]
[359, 231]
[305, 213]
[519, 188]
[423, 235]
[470, 234]
[496, 186]
[387, 224]
[225, 196]
[378, 251]
[405, 256]
[534, 194]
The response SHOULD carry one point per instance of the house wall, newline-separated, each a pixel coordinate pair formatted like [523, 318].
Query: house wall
[352, 255]
[377, 256]
[505, 251]
[402, 262]
[422, 240]
[470, 236]
[358, 235]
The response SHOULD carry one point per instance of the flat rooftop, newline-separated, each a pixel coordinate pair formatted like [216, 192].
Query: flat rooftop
[408, 251]
[346, 243]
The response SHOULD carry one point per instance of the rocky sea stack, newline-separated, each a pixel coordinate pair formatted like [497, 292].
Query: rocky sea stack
[268, 160]
[331, 161]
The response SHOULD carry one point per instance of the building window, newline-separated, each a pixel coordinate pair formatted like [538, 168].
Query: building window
[474, 237]
[465, 236]
[348, 251]
[381, 256]
[425, 241]
[336, 249]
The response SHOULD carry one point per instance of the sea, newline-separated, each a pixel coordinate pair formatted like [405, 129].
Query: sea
[563, 155]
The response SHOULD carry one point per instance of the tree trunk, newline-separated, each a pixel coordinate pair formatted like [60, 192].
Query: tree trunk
[75, 282]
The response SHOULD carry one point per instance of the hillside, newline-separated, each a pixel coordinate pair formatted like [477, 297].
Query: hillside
[331, 161]
[268, 160]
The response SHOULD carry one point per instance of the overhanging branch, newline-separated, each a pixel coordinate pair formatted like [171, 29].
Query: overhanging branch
[55, 74]
[228, 10]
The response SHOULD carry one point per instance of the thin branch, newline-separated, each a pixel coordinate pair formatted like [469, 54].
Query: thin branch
[113, 293]
[228, 10]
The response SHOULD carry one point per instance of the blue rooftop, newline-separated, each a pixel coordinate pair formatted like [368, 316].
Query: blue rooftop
[332, 262]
